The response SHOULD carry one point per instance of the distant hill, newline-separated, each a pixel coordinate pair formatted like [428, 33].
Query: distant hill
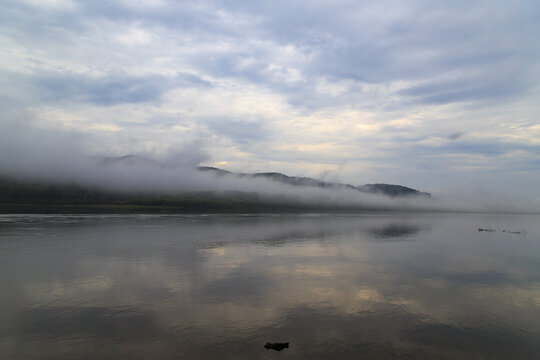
[128, 160]
[382, 189]
[35, 196]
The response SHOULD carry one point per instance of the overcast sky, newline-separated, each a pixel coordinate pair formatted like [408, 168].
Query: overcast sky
[436, 95]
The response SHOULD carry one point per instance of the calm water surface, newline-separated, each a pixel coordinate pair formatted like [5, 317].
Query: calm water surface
[220, 287]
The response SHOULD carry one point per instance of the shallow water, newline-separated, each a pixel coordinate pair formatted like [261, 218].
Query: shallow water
[371, 286]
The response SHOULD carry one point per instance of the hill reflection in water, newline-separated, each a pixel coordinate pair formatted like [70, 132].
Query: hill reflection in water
[333, 286]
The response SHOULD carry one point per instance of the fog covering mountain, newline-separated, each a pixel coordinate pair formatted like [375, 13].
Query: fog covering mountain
[42, 167]
[383, 189]
[177, 183]
[389, 190]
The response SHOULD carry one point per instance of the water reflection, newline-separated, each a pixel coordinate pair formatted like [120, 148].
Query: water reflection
[169, 287]
[395, 231]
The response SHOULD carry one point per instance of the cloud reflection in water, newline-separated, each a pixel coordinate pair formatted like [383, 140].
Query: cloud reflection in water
[165, 287]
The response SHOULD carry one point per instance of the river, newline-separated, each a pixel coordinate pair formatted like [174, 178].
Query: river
[362, 286]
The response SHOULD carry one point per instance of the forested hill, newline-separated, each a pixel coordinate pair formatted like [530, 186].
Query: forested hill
[40, 197]
[383, 189]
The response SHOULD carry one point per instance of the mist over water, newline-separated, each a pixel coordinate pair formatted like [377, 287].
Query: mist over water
[38, 155]
[33, 154]
[371, 286]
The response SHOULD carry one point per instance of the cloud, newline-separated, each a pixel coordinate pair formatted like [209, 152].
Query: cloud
[455, 136]
[240, 131]
[101, 91]
[55, 87]
[483, 87]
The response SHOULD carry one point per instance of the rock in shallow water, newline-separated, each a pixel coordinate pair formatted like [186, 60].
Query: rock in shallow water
[276, 346]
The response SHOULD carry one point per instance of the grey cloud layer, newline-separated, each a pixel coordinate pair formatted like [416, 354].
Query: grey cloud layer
[486, 49]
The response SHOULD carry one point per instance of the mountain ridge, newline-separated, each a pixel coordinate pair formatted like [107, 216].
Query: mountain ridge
[390, 190]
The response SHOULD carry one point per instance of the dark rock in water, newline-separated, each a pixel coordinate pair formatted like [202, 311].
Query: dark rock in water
[276, 346]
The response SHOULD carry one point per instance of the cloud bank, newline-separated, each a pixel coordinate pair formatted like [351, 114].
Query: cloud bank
[60, 158]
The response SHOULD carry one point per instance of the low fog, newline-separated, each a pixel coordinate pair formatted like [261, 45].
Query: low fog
[38, 155]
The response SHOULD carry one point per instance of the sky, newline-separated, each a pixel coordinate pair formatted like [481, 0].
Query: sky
[439, 96]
